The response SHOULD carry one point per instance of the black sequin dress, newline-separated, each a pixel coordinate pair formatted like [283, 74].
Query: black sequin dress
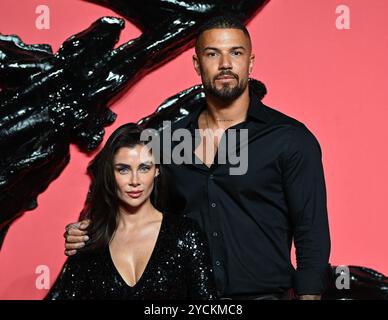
[179, 268]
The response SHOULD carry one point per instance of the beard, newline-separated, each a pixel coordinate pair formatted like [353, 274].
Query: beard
[228, 92]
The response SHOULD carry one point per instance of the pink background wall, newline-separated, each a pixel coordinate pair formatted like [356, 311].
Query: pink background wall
[335, 81]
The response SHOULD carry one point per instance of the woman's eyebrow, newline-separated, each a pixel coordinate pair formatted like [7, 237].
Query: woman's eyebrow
[147, 163]
[120, 164]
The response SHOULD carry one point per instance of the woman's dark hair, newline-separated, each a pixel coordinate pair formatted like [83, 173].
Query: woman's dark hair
[102, 206]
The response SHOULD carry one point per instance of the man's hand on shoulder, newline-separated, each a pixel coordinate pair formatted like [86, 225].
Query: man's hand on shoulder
[75, 236]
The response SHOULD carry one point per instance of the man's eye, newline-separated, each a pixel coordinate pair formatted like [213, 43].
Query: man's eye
[211, 54]
[237, 53]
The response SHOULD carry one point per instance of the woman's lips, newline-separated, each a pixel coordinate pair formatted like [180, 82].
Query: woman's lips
[135, 194]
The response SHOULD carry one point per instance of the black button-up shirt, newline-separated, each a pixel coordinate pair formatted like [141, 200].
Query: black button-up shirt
[251, 219]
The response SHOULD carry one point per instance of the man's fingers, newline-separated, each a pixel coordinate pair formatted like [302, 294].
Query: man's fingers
[81, 225]
[76, 232]
[76, 239]
[74, 225]
[75, 236]
[74, 246]
[70, 252]
[84, 224]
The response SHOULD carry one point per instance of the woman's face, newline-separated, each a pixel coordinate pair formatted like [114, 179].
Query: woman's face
[134, 171]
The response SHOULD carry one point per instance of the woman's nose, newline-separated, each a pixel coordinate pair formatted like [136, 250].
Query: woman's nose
[134, 179]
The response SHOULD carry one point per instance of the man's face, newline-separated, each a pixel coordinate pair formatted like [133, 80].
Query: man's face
[224, 60]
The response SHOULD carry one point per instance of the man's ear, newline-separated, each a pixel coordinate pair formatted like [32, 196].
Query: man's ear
[196, 64]
[156, 172]
[251, 62]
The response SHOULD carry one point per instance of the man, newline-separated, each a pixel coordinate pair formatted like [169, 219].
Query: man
[250, 218]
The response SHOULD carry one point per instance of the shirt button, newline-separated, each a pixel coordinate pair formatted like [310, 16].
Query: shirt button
[213, 205]
[215, 234]
[211, 176]
[218, 263]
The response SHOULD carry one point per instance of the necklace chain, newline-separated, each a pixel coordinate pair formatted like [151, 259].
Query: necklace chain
[208, 128]
[207, 120]
[209, 132]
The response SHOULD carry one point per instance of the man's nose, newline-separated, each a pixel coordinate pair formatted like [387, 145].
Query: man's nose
[225, 62]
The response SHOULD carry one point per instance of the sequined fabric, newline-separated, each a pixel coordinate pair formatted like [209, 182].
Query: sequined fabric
[179, 268]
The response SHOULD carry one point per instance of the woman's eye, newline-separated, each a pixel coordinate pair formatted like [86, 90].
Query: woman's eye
[144, 169]
[123, 170]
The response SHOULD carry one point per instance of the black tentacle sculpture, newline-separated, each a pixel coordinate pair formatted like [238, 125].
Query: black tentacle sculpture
[48, 101]
[364, 284]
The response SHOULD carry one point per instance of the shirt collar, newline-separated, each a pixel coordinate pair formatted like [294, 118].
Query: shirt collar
[256, 111]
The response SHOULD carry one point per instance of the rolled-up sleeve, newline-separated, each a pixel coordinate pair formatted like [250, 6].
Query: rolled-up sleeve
[305, 190]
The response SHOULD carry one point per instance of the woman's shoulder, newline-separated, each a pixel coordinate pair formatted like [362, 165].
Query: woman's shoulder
[185, 230]
[85, 257]
[181, 223]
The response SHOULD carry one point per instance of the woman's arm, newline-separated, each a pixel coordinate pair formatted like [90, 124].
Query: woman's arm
[200, 278]
[71, 283]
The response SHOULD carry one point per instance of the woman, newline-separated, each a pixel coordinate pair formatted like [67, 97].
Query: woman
[135, 251]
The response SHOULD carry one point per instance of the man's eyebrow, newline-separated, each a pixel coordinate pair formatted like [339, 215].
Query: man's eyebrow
[231, 49]
[210, 48]
[238, 48]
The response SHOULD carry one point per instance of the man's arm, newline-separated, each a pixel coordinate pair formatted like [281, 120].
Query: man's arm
[305, 190]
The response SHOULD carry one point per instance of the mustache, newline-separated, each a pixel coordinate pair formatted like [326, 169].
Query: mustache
[226, 73]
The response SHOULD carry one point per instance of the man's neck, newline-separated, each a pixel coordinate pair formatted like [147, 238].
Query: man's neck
[224, 115]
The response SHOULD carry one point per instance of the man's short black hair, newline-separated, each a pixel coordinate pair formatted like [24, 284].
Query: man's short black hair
[222, 22]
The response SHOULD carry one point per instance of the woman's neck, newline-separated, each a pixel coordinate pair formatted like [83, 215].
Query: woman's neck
[129, 218]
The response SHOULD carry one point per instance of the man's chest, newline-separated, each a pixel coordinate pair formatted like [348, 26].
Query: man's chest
[251, 167]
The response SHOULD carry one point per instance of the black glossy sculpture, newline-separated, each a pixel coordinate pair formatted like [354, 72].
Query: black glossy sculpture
[364, 284]
[48, 101]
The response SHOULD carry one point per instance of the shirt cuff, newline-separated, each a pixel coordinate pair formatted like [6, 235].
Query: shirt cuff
[311, 281]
